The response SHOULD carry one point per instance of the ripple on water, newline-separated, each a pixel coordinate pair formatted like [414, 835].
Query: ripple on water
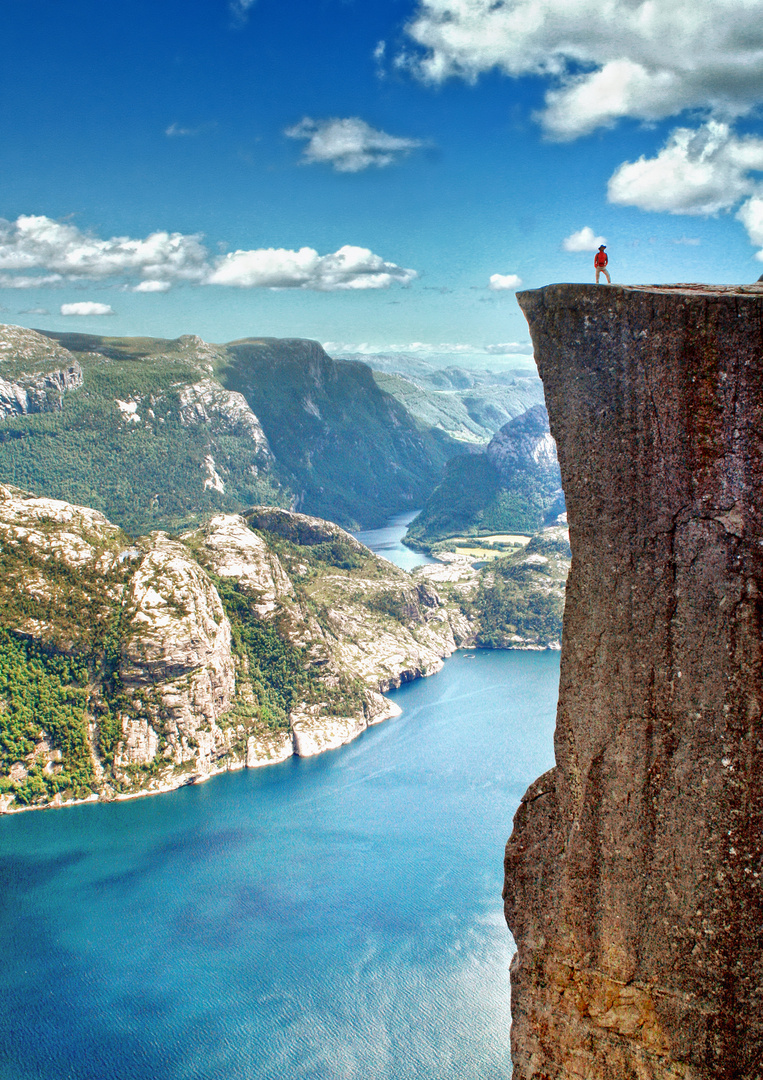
[337, 917]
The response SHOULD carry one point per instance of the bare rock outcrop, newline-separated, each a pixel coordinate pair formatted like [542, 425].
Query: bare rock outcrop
[178, 644]
[525, 443]
[181, 658]
[633, 874]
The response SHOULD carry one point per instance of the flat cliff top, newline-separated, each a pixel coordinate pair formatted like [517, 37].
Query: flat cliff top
[687, 288]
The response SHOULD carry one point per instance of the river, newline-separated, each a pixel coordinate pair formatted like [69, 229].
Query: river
[332, 918]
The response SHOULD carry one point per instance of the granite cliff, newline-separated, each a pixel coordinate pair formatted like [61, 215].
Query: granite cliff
[633, 874]
[128, 667]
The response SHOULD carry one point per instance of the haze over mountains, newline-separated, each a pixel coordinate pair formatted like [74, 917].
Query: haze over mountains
[469, 403]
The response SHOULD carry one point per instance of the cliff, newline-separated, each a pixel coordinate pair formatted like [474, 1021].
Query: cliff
[240, 643]
[633, 874]
[513, 487]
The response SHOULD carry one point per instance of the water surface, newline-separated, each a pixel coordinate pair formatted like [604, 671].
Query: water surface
[323, 919]
[388, 542]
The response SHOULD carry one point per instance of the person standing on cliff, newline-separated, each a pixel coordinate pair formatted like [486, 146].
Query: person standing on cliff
[600, 261]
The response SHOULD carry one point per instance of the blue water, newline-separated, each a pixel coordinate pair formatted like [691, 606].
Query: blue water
[329, 918]
[388, 542]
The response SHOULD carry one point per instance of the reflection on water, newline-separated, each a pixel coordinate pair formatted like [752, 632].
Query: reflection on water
[387, 542]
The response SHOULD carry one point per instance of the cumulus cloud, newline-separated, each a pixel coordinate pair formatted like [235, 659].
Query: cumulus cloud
[584, 239]
[62, 253]
[152, 286]
[87, 307]
[504, 282]
[349, 145]
[647, 59]
[751, 216]
[35, 242]
[698, 171]
[423, 348]
[275, 268]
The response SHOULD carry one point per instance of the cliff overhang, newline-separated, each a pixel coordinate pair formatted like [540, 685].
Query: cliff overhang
[633, 874]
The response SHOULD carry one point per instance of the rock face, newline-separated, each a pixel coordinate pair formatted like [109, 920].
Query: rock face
[633, 874]
[525, 443]
[240, 643]
[513, 487]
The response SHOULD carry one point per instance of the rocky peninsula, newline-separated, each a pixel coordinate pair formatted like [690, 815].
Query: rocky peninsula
[633, 874]
[135, 666]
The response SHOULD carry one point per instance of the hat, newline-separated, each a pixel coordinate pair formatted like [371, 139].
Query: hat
[602, 246]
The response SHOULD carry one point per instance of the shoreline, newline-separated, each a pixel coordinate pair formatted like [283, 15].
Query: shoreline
[248, 761]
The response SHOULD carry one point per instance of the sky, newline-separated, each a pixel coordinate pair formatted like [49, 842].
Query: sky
[373, 174]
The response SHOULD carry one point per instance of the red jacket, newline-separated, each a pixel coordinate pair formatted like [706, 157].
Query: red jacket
[600, 259]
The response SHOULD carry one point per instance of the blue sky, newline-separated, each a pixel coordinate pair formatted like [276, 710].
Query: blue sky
[377, 172]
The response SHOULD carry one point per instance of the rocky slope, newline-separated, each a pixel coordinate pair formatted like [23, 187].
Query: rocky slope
[633, 874]
[138, 428]
[240, 643]
[350, 451]
[514, 486]
[157, 433]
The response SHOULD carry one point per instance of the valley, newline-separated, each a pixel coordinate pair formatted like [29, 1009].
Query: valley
[227, 628]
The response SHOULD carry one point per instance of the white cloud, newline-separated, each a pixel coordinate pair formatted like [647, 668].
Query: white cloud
[35, 311]
[751, 216]
[584, 239]
[177, 131]
[37, 243]
[275, 268]
[28, 281]
[443, 348]
[349, 145]
[87, 307]
[240, 8]
[697, 171]
[647, 59]
[152, 286]
[507, 348]
[501, 282]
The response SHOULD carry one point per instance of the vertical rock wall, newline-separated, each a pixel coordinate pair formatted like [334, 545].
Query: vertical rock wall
[633, 874]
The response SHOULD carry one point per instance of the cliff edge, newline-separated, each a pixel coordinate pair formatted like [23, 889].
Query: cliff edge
[633, 874]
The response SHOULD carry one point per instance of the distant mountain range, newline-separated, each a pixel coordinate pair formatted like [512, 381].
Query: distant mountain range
[155, 433]
[158, 433]
[469, 405]
[514, 487]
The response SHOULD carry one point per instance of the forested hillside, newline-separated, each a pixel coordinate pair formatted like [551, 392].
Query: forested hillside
[514, 487]
[157, 433]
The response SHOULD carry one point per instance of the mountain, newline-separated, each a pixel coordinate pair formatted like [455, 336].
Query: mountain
[469, 405]
[158, 433]
[351, 451]
[140, 429]
[239, 643]
[514, 487]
